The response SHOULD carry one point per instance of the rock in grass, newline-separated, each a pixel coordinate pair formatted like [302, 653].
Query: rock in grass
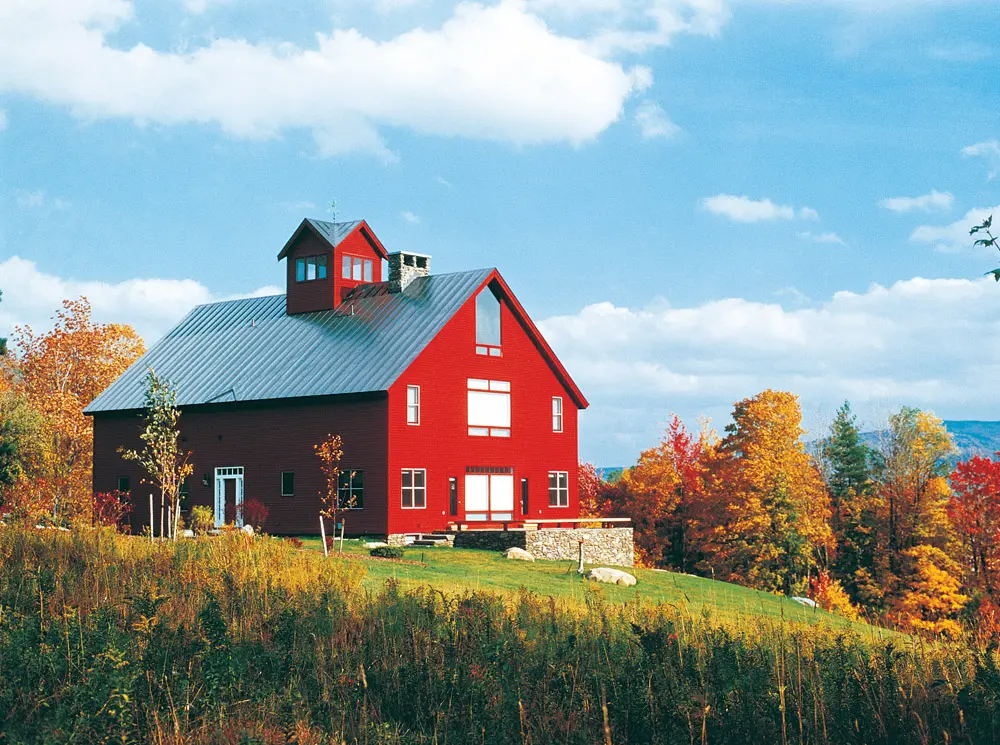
[611, 576]
[805, 601]
[518, 553]
[375, 544]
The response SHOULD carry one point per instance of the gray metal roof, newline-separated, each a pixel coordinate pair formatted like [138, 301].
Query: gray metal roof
[250, 350]
[334, 232]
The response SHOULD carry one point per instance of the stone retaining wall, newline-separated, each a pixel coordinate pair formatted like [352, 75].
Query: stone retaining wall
[600, 545]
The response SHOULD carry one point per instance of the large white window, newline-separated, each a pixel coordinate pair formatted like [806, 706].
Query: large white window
[557, 414]
[489, 408]
[558, 489]
[356, 268]
[414, 488]
[413, 404]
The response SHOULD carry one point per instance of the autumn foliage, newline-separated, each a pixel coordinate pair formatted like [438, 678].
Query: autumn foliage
[56, 374]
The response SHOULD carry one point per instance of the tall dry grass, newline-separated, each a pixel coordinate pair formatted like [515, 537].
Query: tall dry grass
[105, 638]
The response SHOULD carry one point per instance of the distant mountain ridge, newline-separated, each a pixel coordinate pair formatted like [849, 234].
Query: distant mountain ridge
[971, 437]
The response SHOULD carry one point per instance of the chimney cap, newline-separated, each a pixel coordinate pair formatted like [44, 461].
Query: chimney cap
[410, 253]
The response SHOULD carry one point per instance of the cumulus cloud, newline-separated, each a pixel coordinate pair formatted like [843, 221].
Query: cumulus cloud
[954, 237]
[928, 343]
[653, 122]
[936, 200]
[151, 306]
[495, 72]
[990, 150]
[410, 217]
[745, 209]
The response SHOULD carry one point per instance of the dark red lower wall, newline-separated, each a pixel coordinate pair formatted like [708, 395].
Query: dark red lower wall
[265, 439]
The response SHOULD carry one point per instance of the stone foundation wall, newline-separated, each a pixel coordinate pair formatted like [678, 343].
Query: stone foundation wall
[396, 539]
[490, 540]
[600, 545]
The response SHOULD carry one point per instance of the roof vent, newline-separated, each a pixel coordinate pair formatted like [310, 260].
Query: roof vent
[404, 267]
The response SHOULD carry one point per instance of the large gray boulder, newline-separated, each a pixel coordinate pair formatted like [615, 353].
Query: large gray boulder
[611, 576]
[518, 554]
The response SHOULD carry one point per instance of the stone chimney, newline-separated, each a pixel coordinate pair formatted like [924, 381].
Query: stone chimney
[404, 267]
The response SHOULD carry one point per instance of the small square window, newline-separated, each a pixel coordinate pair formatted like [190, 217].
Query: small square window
[351, 489]
[310, 268]
[300, 270]
[321, 267]
[345, 270]
[368, 270]
[288, 483]
[356, 272]
[558, 489]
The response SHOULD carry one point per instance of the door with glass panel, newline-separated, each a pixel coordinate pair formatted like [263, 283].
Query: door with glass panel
[489, 495]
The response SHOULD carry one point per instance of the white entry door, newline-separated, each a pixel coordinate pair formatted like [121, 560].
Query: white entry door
[489, 497]
[228, 480]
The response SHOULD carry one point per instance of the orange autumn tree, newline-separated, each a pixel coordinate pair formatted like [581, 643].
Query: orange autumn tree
[772, 511]
[60, 372]
[974, 511]
[663, 494]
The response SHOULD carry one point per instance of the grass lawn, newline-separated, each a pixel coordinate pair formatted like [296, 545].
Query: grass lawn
[454, 569]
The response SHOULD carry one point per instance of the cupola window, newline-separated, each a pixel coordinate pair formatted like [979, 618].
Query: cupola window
[488, 324]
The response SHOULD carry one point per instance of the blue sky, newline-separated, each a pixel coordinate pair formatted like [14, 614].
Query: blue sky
[697, 199]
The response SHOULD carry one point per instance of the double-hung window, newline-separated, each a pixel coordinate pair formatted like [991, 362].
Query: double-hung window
[356, 268]
[557, 414]
[558, 489]
[413, 404]
[489, 408]
[414, 488]
[351, 489]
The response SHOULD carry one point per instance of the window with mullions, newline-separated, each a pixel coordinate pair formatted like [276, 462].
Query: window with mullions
[309, 268]
[351, 490]
[414, 488]
[489, 408]
[413, 404]
[557, 414]
[488, 324]
[558, 489]
[356, 268]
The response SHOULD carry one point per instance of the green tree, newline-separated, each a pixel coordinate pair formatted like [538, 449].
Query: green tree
[847, 456]
[166, 465]
[20, 439]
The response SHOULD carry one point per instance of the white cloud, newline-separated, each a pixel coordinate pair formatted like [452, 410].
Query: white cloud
[990, 150]
[954, 237]
[410, 217]
[825, 238]
[198, 7]
[443, 181]
[495, 72]
[928, 343]
[152, 306]
[745, 209]
[653, 122]
[38, 199]
[936, 200]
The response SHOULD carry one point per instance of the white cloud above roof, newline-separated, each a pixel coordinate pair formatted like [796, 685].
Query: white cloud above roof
[954, 238]
[747, 210]
[935, 200]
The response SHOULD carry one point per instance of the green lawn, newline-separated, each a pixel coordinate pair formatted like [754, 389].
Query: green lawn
[455, 569]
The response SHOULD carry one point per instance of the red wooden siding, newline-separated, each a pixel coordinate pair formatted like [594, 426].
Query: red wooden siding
[325, 294]
[266, 439]
[441, 443]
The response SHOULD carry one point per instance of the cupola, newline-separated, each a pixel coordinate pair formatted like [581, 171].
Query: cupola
[326, 260]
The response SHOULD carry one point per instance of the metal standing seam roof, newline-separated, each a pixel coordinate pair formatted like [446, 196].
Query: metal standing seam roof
[251, 350]
[334, 232]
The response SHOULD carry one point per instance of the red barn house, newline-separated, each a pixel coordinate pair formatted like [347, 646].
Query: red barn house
[452, 407]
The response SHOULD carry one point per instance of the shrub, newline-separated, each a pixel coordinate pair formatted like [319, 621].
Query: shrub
[830, 596]
[255, 514]
[202, 519]
[387, 552]
[296, 542]
[112, 509]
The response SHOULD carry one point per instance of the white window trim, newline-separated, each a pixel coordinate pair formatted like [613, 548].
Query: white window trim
[557, 505]
[557, 415]
[401, 487]
[489, 429]
[415, 406]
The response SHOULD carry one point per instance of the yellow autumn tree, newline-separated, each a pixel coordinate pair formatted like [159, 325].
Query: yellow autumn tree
[771, 524]
[60, 372]
[930, 597]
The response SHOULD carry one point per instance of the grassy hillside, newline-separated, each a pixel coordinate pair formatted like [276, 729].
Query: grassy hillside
[454, 569]
[105, 638]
